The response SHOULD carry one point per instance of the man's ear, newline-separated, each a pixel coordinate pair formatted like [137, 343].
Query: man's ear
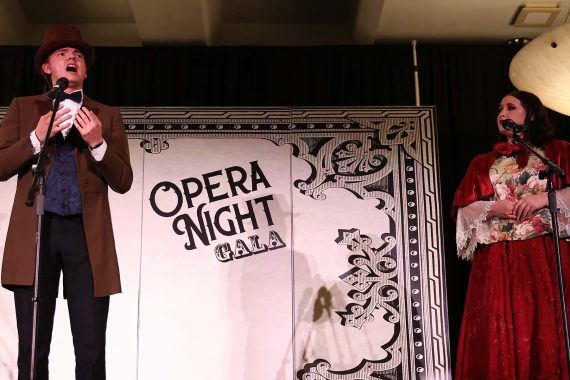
[46, 68]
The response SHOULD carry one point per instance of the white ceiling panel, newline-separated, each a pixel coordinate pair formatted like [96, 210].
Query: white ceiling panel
[275, 22]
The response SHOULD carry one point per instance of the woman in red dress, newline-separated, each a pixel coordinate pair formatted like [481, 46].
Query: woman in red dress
[512, 321]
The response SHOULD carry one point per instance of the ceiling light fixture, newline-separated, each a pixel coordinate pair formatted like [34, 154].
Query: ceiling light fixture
[518, 42]
[536, 15]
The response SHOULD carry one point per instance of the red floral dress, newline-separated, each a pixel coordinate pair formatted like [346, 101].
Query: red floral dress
[512, 324]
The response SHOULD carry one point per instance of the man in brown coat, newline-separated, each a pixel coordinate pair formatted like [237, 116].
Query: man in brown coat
[87, 152]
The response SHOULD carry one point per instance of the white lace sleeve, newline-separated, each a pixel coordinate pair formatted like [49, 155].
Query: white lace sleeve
[472, 227]
[563, 205]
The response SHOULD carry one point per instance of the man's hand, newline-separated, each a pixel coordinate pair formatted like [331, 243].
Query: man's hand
[90, 127]
[60, 122]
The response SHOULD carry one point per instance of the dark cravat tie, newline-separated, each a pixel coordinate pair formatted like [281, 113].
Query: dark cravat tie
[76, 96]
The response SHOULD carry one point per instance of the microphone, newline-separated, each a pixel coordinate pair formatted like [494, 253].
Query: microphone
[58, 88]
[510, 125]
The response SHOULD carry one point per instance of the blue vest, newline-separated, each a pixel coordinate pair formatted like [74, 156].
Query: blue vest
[63, 195]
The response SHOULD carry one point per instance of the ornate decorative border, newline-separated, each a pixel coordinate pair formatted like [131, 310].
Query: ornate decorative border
[383, 153]
[388, 154]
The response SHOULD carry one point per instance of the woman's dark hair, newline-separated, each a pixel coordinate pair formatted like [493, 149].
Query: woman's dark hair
[540, 129]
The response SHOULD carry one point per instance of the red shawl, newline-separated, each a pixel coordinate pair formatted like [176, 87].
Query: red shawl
[476, 185]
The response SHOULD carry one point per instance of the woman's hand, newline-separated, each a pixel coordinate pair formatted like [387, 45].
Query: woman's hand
[525, 207]
[502, 209]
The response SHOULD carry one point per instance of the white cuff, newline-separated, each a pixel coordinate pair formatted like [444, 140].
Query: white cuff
[99, 152]
[36, 144]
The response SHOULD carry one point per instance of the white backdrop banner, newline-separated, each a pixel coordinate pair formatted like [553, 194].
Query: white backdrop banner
[271, 243]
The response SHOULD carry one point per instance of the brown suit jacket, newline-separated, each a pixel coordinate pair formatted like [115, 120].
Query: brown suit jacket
[114, 171]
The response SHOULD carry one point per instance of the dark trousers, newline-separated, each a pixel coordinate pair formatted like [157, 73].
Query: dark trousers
[64, 250]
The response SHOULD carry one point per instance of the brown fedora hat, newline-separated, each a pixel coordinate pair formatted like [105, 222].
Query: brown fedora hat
[60, 36]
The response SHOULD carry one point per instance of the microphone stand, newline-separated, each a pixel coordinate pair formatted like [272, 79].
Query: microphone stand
[38, 186]
[552, 168]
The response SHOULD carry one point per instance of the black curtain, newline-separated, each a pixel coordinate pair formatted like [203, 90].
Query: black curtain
[464, 82]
